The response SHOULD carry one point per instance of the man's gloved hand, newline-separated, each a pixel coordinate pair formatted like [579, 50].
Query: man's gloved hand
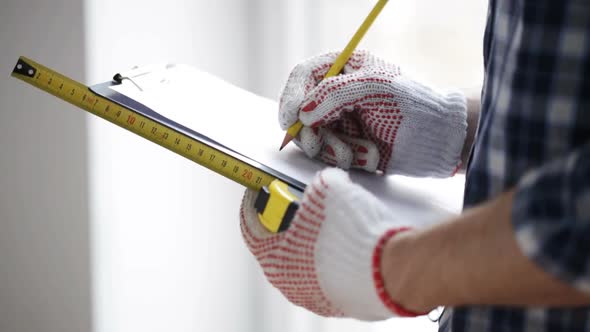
[328, 260]
[373, 117]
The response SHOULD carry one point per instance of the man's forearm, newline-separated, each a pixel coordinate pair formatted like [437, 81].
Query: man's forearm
[471, 260]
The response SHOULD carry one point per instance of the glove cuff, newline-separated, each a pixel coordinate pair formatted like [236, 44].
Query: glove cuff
[344, 250]
[378, 277]
[432, 141]
[450, 142]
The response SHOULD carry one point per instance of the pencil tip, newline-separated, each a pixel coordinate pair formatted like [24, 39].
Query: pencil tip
[288, 138]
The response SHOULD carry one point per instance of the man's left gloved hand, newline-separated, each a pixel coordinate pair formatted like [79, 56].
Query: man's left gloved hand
[328, 260]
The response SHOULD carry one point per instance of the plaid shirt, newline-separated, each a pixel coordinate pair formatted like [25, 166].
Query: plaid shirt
[534, 135]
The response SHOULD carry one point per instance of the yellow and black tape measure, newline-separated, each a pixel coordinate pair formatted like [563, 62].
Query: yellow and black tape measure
[279, 193]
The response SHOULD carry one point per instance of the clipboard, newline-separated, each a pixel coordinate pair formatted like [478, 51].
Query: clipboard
[255, 133]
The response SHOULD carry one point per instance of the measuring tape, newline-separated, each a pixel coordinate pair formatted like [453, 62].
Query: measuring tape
[278, 194]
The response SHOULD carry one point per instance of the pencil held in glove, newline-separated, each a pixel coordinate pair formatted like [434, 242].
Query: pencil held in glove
[340, 62]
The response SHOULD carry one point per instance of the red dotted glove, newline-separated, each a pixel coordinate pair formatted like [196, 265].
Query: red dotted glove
[328, 259]
[373, 117]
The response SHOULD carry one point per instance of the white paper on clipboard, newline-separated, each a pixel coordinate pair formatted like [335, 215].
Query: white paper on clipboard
[248, 124]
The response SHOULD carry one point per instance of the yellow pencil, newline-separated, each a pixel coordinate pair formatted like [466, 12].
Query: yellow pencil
[341, 60]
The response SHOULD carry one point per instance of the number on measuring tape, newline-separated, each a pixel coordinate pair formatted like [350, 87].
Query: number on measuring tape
[204, 152]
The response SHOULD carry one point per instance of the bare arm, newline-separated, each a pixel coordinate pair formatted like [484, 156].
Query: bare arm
[473, 259]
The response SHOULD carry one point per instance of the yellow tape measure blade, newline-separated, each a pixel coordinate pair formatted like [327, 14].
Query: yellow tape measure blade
[281, 201]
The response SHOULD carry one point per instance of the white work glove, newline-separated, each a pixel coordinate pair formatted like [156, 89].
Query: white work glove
[328, 259]
[373, 117]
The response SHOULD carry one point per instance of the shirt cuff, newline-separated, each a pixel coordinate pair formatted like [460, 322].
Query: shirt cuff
[551, 219]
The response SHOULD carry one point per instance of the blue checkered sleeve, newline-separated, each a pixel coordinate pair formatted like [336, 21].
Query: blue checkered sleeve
[551, 215]
[551, 211]
[534, 137]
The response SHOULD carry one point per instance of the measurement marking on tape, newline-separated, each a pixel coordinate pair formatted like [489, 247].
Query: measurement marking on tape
[80, 95]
